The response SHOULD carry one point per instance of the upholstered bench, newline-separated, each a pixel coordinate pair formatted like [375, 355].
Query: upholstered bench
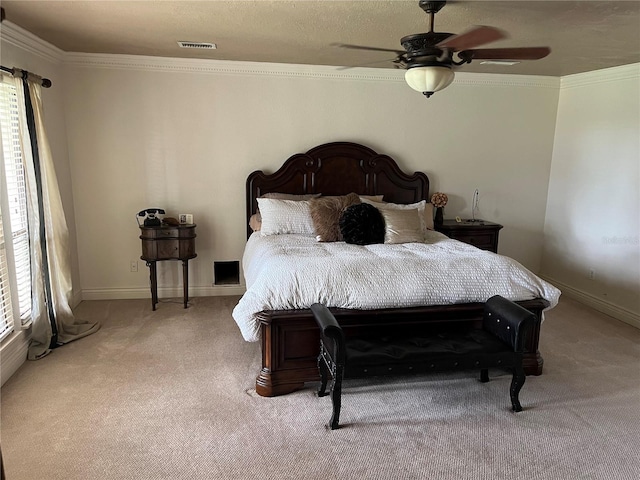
[498, 343]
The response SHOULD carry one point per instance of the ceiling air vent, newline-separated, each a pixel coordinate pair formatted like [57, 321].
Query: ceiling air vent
[200, 45]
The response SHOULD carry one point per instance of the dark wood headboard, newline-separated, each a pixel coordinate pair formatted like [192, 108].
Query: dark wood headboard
[339, 168]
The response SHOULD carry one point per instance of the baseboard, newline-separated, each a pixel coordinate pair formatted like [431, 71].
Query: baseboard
[163, 292]
[76, 298]
[13, 353]
[596, 303]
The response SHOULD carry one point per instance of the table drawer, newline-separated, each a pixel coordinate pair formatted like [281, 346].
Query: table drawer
[159, 233]
[481, 234]
[478, 240]
[168, 243]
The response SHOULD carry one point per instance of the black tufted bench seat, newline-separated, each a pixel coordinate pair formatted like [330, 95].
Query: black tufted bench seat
[499, 343]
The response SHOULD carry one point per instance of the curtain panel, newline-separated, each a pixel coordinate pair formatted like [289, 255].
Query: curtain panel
[53, 322]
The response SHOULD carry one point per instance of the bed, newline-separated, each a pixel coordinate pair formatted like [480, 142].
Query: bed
[289, 337]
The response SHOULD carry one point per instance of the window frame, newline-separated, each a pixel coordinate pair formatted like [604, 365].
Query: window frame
[15, 294]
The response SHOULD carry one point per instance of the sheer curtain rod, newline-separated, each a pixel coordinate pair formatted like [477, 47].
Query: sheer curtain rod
[16, 72]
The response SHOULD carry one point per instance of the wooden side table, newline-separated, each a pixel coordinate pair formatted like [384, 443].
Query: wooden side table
[168, 242]
[481, 234]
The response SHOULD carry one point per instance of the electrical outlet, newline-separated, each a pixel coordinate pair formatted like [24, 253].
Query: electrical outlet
[592, 274]
[134, 265]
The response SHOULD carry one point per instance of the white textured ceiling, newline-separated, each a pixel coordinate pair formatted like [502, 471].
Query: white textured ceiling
[583, 35]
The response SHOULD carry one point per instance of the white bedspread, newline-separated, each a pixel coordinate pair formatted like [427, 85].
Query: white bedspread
[286, 272]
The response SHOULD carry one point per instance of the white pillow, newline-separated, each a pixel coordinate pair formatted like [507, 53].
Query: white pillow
[402, 225]
[285, 216]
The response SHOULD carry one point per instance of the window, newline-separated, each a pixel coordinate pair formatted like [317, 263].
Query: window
[15, 270]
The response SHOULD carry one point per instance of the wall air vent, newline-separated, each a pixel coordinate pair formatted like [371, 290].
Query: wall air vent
[199, 45]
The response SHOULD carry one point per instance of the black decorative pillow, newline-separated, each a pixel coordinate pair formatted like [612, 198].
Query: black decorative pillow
[362, 224]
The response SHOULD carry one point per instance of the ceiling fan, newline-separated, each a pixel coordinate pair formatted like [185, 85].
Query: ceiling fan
[429, 57]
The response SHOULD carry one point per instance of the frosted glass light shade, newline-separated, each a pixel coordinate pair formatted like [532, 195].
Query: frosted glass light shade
[428, 80]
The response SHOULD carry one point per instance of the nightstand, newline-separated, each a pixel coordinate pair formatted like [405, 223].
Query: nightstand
[168, 242]
[481, 234]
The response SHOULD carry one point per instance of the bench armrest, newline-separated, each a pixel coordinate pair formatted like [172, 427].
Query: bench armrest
[508, 321]
[330, 332]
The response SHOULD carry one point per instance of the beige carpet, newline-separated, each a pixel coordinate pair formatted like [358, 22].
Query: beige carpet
[169, 395]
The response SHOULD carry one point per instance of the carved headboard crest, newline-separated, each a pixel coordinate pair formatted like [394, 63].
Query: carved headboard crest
[339, 168]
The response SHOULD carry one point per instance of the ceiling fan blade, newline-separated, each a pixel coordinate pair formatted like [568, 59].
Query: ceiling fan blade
[362, 47]
[525, 53]
[392, 60]
[473, 37]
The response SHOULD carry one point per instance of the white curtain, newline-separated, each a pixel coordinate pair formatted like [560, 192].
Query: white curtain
[53, 322]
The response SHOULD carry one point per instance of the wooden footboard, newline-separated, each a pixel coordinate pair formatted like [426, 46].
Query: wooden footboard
[291, 341]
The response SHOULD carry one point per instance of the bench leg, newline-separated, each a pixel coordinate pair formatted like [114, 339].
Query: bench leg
[324, 373]
[336, 398]
[516, 385]
[484, 375]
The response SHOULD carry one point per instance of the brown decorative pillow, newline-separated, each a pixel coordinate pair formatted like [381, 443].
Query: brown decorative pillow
[325, 214]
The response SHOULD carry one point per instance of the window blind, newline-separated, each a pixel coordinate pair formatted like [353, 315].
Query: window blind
[6, 312]
[16, 235]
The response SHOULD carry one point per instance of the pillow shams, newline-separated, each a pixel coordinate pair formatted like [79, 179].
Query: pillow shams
[255, 222]
[285, 216]
[290, 196]
[372, 198]
[402, 225]
[428, 216]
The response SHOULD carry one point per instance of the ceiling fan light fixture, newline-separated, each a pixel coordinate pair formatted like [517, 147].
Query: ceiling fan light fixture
[429, 79]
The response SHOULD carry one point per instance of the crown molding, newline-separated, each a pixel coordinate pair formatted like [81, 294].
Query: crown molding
[224, 67]
[506, 80]
[19, 37]
[606, 75]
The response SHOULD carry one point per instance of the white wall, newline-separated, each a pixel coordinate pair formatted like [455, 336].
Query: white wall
[593, 210]
[184, 135]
